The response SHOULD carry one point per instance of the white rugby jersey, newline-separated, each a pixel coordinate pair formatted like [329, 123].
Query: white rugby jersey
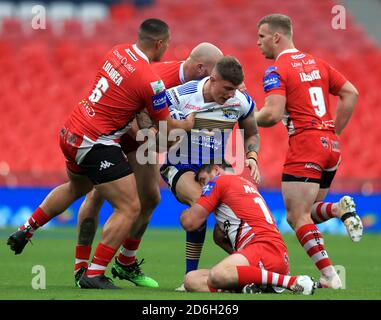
[203, 143]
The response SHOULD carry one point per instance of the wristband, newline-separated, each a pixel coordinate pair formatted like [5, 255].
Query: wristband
[252, 155]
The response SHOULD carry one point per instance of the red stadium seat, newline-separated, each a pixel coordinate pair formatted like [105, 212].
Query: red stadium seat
[62, 63]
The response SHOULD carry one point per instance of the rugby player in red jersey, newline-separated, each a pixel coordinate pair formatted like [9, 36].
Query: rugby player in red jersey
[198, 65]
[259, 258]
[297, 89]
[125, 84]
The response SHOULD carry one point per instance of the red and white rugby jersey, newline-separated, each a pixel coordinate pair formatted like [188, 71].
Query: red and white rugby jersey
[171, 72]
[240, 211]
[124, 85]
[306, 82]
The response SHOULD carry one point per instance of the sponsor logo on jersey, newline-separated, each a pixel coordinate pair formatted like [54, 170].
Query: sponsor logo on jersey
[232, 104]
[309, 61]
[112, 73]
[297, 64]
[311, 165]
[123, 60]
[105, 165]
[192, 107]
[298, 56]
[206, 190]
[157, 86]
[88, 108]
[314, 75]
[271, 81]
[159, 101]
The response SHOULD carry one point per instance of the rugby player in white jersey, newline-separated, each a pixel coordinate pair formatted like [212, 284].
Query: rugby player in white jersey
[218, 105]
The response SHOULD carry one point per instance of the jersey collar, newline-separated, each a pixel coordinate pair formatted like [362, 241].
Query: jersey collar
[181, 73]
[140, 52]
[287, 51]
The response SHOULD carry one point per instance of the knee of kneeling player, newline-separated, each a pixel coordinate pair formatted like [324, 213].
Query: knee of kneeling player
[191, 280]
[218, 277]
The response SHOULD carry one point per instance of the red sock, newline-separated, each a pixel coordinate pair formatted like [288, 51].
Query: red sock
[82, 255]
[36, 220]
[102, 257]
[211, 289]
[322, 211]
[127, 253]
[313, 243]
[262, 277]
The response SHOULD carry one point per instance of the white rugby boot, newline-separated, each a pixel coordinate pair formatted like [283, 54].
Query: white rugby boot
[304, 285]
[181, 288]
[350, 218]
[333, 282]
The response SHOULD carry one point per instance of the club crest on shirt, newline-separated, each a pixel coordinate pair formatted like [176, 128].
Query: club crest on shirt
[231, 114]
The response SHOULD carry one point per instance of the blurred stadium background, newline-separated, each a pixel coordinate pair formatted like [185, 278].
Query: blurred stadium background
[45, 72]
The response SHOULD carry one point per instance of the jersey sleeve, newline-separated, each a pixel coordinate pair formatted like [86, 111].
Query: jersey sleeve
[154, 97]
[274, 81]
[336, 80]
[247, 106]
[169, 72]
[211, 195]
[173, 99]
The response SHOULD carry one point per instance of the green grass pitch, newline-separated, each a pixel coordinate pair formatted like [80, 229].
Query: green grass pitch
[163, 250]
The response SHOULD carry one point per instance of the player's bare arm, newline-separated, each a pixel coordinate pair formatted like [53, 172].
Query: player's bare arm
[251, 141]
[186, 124]
[172, 124]
[272, 111]
[221, 240]
[348, 96]
[143, 120]
[192, 218]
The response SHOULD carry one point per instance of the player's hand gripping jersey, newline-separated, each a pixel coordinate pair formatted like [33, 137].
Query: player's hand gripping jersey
[125, 84]
[240, 211]
[203, 144]
[306, 82]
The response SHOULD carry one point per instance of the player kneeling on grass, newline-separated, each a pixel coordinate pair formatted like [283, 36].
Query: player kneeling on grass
[259, 255]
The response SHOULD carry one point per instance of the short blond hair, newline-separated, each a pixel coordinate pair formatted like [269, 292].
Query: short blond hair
[278, 22]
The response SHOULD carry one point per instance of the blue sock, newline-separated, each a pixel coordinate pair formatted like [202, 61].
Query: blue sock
[195, 241]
